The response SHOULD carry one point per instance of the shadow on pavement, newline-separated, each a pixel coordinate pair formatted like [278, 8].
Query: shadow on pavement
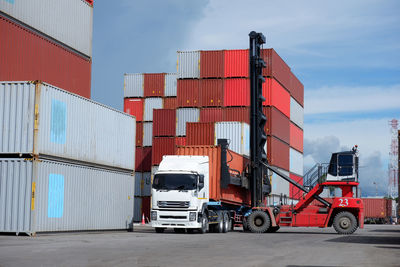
[392, 247]
[386, 230]
[378, 240]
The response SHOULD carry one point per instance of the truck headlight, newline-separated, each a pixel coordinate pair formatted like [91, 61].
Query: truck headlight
[153, 215]
[192, 216]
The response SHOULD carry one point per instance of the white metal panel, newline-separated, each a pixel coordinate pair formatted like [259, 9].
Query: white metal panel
[150, 104]
[147, 133]
[133, 85]
[296, 113]
[69, 126]
[279, 185]
[237, 133]
[170, 84]
[68, 21]
[188, 64]
[185, 115]
[296, 162]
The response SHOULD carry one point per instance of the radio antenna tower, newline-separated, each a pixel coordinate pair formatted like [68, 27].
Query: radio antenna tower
[393, 159]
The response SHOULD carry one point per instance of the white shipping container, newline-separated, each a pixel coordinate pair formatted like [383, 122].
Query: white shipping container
[188, 64]
[133, 85]
[67, 21]
[279, 185]
[150, 104]
[48, 196]
[296, 113]
[39, 119]
[185, 115]
[147, 133]
[295, 162]
[237, 133]
[170, 84]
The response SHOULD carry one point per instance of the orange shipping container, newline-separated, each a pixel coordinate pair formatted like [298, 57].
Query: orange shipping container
[232, 194]
[199, 133]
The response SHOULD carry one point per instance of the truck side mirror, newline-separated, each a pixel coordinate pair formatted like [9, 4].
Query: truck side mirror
[201, 181]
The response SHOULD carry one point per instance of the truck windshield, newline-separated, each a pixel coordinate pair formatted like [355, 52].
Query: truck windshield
[175, 181]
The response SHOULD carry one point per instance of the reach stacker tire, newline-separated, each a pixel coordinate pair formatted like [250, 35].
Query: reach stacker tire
[258, 222]
[345, 223]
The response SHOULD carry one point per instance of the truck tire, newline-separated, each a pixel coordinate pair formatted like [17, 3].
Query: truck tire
[204, 224]
[227, 225]
[258, 221]
[345, 223]
[219, 227]
[160, 230]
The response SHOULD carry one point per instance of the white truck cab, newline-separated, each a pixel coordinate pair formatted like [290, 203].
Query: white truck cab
[180, 193]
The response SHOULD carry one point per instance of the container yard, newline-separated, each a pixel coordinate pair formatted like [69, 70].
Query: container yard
[191, 149]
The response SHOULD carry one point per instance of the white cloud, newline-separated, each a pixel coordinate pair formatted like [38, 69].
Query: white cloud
[351, 99]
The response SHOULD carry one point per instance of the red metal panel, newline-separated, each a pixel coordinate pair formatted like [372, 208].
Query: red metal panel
[199, 133]
[154, 84]
[134, 106]
[146, 208]
[170, 102]
[139, 133]
[375, 208]
[237, 92]
[180, 141]
[162, 146]
[27, 56]
[188, 93]
[236, 63]
[296, 89]
[143, 159]
[212, 64]
[294, 192]
[212, 92]
[211, 114]
[164, 122]
[90, 2]
[276, 67]
[275, 95]
[278, 153]
[277, 124]
[241, 114]
[296, 137]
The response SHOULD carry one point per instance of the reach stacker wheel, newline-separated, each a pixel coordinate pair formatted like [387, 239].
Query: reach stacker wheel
[345, 223]
[258, 222]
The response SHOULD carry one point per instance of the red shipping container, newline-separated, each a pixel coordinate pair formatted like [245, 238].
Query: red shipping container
[28, 56]
[212, 92]
[139, 133]
[237, 92]
[199, 133]
[154, 84]
[143, 159]
[162, 146]
[134, 107]
[170, 102]
[296, 137]
[180, 141]
[275, 95]
[276, 67]
[236, 63]
[278, 153]
[294, 192]
[296, 89]
[376, 208]
[241, 114]
[212, 64]
[164, 122]
[188, 93]
[211, 114]
[277, 124]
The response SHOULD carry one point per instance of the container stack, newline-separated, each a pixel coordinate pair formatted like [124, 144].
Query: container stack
[50, 41]
[144, 93]
[66, 162]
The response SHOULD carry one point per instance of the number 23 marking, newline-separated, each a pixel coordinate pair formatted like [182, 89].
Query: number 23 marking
[345, 204]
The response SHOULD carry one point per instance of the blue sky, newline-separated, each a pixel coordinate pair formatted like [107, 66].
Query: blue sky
[346, 53]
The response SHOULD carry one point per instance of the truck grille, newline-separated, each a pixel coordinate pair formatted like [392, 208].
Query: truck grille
[173, 204]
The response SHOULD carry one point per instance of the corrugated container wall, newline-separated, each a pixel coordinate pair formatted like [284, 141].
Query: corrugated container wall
[241, 114]
[211, 93]
[237, 92]
[170, 84]
[375, 207]
[185, 115]
[150, 104]
[139, 134]
[211, 114]
[137, 210]
[237, 133]
[154, 84]
[27, 56]
[277, 124]
[162, 146]
[170, 102]
[275, 95]
[142, 184]
[133, 85]
[47, 196]
[134, 107]
[236, 63]
[188, 93]
[279, 185]
[69, 126]
[296, 162]
[180, 141]
[296, 193]
[296, 137]
[68, 21]
[276, 67]
[188, 65]
[278, 153]
[143, 159]
[297, 89]
[212, 64]
[147, 133]
[164, 122]
[296, 113]
[200, 133]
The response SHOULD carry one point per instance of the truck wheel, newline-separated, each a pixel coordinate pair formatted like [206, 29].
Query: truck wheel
[159, 230]
[258, 222]
[226, 227]
[204, 224]
[345, 223]
[219, 227]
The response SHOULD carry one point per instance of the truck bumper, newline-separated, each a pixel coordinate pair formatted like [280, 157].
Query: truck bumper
[174, 219]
